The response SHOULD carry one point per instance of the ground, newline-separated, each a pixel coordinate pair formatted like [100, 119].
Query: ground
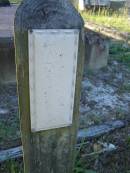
[106, 92]
[105, 97]
[118, 20]
[9, 119]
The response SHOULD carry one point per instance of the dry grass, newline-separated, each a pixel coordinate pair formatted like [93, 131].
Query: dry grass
[118, 20]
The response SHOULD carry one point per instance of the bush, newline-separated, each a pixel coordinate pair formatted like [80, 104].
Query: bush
[4, 3]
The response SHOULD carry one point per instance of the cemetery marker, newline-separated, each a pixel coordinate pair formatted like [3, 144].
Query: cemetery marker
[52, 80]
[49, 63]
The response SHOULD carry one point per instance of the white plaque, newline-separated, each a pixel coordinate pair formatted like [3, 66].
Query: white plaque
[52, 76]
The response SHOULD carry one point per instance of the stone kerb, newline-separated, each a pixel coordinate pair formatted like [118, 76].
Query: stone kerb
[96, 50]
[7, 51]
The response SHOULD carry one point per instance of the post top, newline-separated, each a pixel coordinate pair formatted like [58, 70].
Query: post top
[47, 14]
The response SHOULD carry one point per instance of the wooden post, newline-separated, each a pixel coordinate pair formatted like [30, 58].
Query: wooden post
[47, 150]
[75, 3]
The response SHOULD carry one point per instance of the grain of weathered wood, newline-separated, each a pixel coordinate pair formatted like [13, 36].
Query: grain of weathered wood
[49, 151]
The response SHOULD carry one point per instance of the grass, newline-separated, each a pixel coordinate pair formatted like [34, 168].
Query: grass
[9, 131]
[16, 166]
[12, 166]
[115, 19]
[120, 54]
[15, 1]
[80, 166]
[125, 88]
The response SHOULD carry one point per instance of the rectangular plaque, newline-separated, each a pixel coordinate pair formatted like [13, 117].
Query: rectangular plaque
[52, 76]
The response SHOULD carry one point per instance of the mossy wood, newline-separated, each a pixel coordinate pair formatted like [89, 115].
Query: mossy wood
[50, 151]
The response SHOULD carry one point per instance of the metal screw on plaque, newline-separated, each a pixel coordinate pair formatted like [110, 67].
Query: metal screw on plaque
[49, 63]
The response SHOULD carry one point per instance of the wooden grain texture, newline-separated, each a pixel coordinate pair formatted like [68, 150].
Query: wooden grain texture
[49, 151]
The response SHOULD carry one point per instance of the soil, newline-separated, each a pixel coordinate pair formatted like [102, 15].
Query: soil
[105, 93]
[105, 97]
[9, 117]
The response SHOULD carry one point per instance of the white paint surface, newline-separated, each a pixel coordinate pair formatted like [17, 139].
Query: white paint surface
[52, 76]
[81, 5]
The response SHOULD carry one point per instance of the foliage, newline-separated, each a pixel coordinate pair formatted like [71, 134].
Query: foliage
[121, 54]
[12, 166]
[15, 1]
[115, 19]
[9, 130]
[4, 3]
[80, 166]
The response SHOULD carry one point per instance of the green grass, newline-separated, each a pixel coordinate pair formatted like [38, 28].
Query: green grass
[17, 167]
[120, 54]
[12, 166]
[125, 88]
[118, 20]
[15, 1]
[9, 130]
[80, 166]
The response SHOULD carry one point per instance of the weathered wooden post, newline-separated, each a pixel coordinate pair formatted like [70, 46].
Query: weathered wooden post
[75, 3]
[49, 59]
